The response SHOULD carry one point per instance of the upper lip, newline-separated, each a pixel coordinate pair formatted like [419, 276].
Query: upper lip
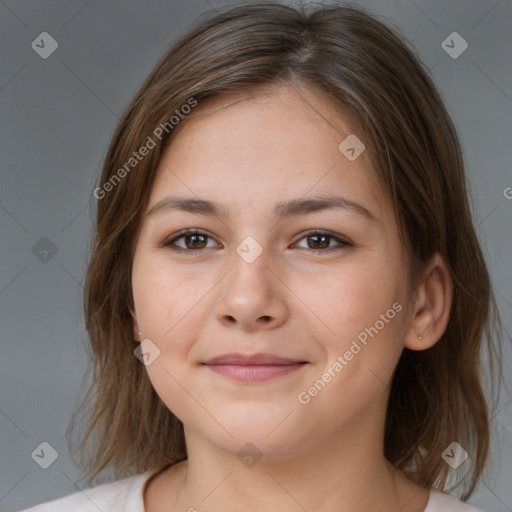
[253, 359]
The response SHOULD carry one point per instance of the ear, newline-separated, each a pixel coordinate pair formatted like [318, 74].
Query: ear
[432, 308]
[135, 326]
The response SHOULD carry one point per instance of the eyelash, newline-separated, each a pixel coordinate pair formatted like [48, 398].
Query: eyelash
[169, 242]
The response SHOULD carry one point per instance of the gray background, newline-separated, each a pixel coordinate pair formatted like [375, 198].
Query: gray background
[57, 116]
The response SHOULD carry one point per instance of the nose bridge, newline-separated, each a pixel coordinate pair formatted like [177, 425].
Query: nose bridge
[250, 262]
[250, 250]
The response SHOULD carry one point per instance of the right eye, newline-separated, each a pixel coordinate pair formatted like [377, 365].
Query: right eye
[194, 240]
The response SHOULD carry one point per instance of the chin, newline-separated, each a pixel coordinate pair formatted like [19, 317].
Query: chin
[272, 437]
[256, 444]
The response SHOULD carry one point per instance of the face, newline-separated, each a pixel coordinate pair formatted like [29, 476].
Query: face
[322, 286]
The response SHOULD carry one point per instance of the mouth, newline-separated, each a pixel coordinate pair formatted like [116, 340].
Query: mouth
[253, 368]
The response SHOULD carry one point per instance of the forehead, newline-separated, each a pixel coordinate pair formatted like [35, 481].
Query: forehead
[263, 147]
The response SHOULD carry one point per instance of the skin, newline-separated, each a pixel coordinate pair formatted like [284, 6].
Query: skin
[294, 301]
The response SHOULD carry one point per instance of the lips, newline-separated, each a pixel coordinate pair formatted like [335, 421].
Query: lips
[253, 368]
[254, 359]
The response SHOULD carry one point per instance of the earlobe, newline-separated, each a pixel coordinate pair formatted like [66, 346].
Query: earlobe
[137, 335]
[433, 306]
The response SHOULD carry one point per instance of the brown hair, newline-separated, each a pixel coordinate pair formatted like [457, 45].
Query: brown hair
[364, 67]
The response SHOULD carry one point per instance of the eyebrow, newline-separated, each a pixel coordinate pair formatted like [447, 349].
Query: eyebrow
[283, 209]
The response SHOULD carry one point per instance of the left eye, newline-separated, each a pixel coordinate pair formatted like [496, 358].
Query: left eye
[321, 240]
[197, 240]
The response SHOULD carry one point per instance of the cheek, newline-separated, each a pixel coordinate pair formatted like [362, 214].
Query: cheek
[365, 312]
[351, 298]
[164, 299]
[170, 385]
[167, 306]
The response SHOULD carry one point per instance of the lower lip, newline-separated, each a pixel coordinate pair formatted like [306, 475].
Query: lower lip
[255, 372]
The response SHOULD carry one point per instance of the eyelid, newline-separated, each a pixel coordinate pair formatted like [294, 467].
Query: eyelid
[341, 240]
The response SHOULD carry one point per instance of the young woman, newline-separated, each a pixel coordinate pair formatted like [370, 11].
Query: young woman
[286, 299]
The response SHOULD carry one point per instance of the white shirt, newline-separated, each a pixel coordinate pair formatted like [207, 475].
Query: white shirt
[127, 496]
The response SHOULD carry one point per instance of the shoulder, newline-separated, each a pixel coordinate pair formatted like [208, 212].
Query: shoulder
[120, 496]
[443, 502]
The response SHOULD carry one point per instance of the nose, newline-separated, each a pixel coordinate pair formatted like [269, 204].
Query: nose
[252, 296]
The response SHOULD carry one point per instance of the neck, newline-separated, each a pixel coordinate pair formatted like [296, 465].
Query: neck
[347, 474]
